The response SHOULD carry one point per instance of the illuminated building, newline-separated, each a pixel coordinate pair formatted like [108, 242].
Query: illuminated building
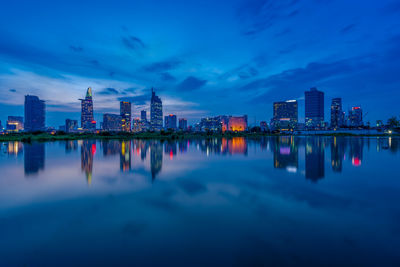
[71, 125]
[337, 115]
[183, 124]
[285, 115]
[355, 117]
[237, 124]
[315, 158]
[1, 126]
[156, 113]
[112, 122]
[126, 115]
[170, 122]
[314, 108]
[87, 119]
[34, 158]
[137, 125]
[263, 126]
[34, 114]
[15, 124]
[210, 124]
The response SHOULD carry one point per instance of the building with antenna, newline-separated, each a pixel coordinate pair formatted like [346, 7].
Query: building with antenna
[87, 118]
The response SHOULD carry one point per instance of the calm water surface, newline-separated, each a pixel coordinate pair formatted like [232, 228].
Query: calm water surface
[271, 201]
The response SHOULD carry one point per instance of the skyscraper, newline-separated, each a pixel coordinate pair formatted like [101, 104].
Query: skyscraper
[143, 115]
[87, 119]
[170, 122]
[126, 115]
[112, 122]
[71, 125]
[285, 115]
[34, 114]
[337, 115]
[156, 113]
[314, 108]
[183, 124]
[355, 117]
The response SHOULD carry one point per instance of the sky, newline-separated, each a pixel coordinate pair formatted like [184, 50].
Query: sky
[204, 58]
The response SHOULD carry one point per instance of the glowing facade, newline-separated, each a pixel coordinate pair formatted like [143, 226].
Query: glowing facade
[15, 124]
[126, 115]
[285, 115]
[87, 119]
[237, 124]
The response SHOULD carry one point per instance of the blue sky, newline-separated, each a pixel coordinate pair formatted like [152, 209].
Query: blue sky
[203, 57]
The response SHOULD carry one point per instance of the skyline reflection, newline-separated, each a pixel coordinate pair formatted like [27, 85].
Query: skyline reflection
[285, 152]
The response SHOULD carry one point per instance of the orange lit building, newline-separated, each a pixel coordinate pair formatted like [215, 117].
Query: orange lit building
[237, 124]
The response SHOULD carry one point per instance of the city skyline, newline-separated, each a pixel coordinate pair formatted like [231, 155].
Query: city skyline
[244, 57]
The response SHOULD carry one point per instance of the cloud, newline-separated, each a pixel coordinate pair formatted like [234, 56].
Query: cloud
[162, 66]
[191, 83]
[136, 100]
[76, 48]
[165, 76]
[259, 15]
[348, 28]
[109, 91]
[12, 90]
[133, 43]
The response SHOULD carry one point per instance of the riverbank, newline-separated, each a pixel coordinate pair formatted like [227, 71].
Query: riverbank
[29, 137]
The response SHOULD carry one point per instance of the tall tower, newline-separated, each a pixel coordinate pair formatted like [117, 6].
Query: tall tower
[34, 113]
[156, 113]
[314, 108]
[126, 115]
[87, 119]
[336, 113]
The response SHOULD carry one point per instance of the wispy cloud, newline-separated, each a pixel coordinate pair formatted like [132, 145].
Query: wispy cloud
[133, 42]
[191, 83]
[162, 66]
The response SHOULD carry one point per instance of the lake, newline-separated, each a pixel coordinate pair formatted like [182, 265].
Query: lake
[267, 201]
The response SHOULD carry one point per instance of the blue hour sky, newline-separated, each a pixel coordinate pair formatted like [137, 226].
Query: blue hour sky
[203, 57]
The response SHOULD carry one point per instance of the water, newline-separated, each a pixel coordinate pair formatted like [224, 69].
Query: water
[271, 201]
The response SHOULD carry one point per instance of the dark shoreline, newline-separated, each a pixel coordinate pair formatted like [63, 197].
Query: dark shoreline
[29, 137]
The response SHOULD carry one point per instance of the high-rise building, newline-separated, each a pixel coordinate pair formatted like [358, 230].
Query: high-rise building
[314, 108]
[285, 115]
[355, 117]
[156, 113]
[71, 125]
[15, 124]
[87, 119]
[210, 124]
[126, 115]
[34, 114]
[170, 122]
[263, 126]
[337, 116]
[1, 126]
[183, 124]
[143, 115]
[112, 122]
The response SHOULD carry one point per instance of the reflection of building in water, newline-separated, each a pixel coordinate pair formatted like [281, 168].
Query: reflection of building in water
[14, 148]
[34, 156]
[156, 157]
[110, 147]
[88, 149]
[383, 143]
[125, 156]
[286, 154]
[315, 157]
[183, 146]
[338, 146]
[170, 149]
[237, 145]
[71, 146]
[356, 150]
